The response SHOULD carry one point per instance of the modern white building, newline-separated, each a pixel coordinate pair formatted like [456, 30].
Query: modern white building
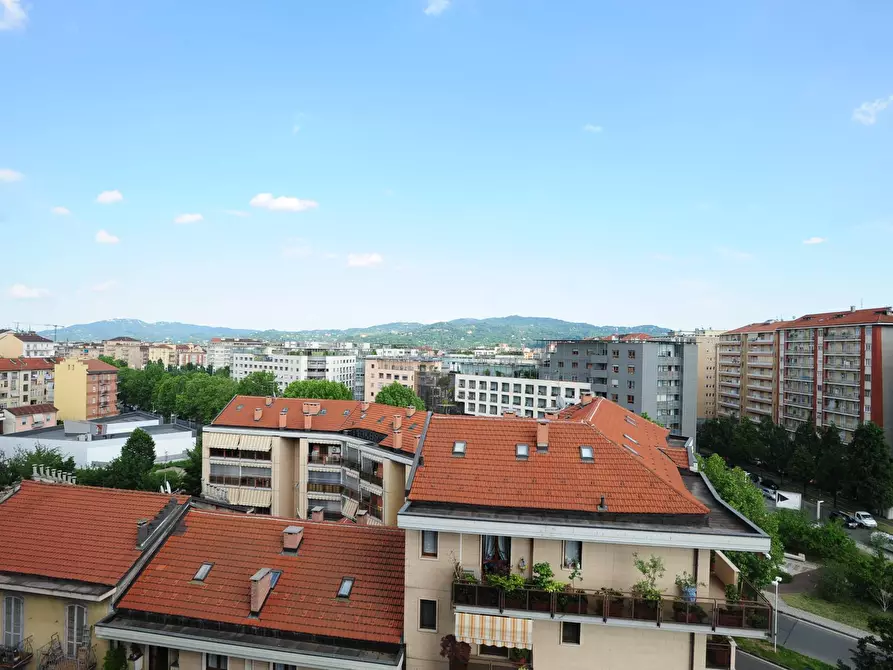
[295, 364]
[26, 345]
[219, 352]
[484, 395]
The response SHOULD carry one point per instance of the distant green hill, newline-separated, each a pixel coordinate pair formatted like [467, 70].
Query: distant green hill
[458, 333]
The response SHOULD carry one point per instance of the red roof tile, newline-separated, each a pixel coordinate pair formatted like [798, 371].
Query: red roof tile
[633, 475]
[11, 364]
[762, 327]
[74, 532]
[843, 318]
[378, 417]
[28, 410]
[678, 456]
[95, 366]
[304, 599]
[30, 337]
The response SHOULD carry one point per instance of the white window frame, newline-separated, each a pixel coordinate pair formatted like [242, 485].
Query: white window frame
[419, 617]
[564, 544]
[205, 660]
[9, 632]
[561, 634]
[71, 636]
[422, 554]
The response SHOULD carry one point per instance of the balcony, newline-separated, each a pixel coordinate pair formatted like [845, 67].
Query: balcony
[17, 656]
[704, 615]
[372, 477]
[730, 405]
[759, 374]
[719, 654]
[759, 410]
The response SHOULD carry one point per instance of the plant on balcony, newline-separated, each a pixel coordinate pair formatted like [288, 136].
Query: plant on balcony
[521, 658]
[686, 612]
[115, 658]
[507, 583]
[730, 612]
[615, 601]
[645, 590]
[456, 652]
[688, 584]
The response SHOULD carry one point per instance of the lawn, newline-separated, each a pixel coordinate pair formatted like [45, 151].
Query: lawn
[852, 613]
[783, 657]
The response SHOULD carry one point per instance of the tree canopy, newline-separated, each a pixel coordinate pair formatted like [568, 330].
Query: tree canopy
[399, 396]
[117, 362]
[874, 652]
[318, 389]
[131, 469]
[258, 384]
[870, 470]
[19, 466]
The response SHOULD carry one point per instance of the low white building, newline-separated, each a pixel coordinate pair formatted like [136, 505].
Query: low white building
[488, 395]
[290, 365]
[219, 352]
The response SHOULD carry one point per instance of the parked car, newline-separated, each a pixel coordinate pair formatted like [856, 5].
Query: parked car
[881, 539]
[844, 518]
[768, 484]
[865, 519]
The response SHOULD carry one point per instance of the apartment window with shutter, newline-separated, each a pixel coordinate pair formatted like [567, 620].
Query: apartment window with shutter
[429, 543]
[216, 662]
[570, 633]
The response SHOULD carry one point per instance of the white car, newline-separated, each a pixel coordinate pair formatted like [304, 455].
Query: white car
[865, 519]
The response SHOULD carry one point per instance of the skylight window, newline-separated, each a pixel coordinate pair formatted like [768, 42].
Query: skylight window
[239, 406]
[380, 419]
[631, 421]
[458, 448]
[631, 439]
[632, 450]
[522, 451]
[274, 577]
[346, 412]
[345, 588]
[587, 455]
[322, 411]
[202, 572]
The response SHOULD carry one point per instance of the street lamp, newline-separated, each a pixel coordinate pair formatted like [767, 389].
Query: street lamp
[818, 510]
[775, 581]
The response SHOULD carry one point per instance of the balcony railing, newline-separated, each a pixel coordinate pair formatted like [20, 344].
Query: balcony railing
[371, 477]
[17, 656]
[708, 614]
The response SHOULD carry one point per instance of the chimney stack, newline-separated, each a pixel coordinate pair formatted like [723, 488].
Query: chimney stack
[268, 401]
[283, 417]
[398, 440]
[362, 518]
[552, 416]
[292, 537]
[586, 398]
[410, 410]
[34, 474]
[542, 435]
[311, 408]
[364, 406]
[317, 514]
[398, 421]
[260, 589]
[308, 421]
[257, 413]
[142, 531]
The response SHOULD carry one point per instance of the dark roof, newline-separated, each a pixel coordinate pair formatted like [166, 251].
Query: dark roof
[27, 410]
[31, 337]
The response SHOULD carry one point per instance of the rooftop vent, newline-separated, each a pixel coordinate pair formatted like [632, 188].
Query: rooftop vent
[631, 439]
[410, 410]
[268, 401]
[322, 411]
[629, 448]
[345, 588]
[364, 406]
[398, 421]
[602, 505]
[586, 398]
[239, 407]
[398, 440]
[346, 412]
[522, 451]
[283, 417]
[257, 413]
[459, 448]
[587, 454]
[202, 572]
[317, 514]
[631, 421]
[262, 582]
[291, 538]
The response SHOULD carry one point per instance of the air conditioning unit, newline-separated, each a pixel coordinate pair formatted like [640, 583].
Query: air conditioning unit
[472, 573]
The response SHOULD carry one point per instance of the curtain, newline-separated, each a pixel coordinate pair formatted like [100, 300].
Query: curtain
[489, 547]
[503, 548]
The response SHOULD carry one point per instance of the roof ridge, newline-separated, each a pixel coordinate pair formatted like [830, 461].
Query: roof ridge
[66, 487]
[292, 520]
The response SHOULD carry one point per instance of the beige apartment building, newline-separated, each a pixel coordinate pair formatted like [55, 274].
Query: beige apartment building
[26, 381]
[747, 375]
[190, 354]
[86, 389]
[586, 492]
[707, 342]
[131, 351]
[289, 457]
[381, 371]
[27, 345]
[166, 354]
[79, 349]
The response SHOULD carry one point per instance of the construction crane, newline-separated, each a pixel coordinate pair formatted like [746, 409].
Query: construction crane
[54, 326]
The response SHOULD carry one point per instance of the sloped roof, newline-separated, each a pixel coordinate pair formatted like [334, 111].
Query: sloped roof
[11, 364]
[94, 365]
[843, 318]
[28, 410]
[303, 600]
[30, 337]
[81, 533]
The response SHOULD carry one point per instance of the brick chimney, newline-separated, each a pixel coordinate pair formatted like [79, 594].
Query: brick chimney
[398, 440]
[317, 514]
[551, 416]
[364, 406]
[283, 417]
[260, 589]
[410, 410]
[586, 398]
[142, 531]
[398, 421]
[257, 413]
[292, 537]
[308, 421]
[311, 408]
[362, 518]
[542, 435]
[268, 401]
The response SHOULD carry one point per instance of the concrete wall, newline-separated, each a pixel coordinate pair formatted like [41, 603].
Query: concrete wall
[283, 458]
[886, 382]
[71, 389]
[97, 451]
[394, 488]
[690, 390]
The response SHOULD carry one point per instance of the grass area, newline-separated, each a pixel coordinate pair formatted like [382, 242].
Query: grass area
[852, 613]
[786, 658]
[169, 464]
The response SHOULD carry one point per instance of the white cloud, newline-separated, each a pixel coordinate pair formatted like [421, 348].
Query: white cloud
[108, 197]
[867, 112]
[734, 254]
[8, 175]
[104, 237]
[188, 218]
[22, 292]
[364, 260]
[815, 240]
[104, 286]
[61, 211]
[282, 203]
[14, 16]
[236, 212]
[437, 7]
[590, 128]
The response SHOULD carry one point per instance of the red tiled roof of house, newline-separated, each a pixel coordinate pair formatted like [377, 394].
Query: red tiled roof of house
[303, 600]
[95, 366]
[632, 474]
[11, 364]
[678, 456]
[28, 410]
[634, 336]
[30, 337]
[762, 327]
[74, 532]
[843, 318]
[378, 417]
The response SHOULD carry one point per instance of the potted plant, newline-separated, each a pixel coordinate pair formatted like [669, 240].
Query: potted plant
[688, 584]
[615, 602]
[521, 658]
[645, 590]
[730, 613]
[456, 652]
[543, 584]
[515, 597]
[685, 612]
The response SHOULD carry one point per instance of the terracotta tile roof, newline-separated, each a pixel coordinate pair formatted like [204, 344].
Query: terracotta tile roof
[378, 417]
[122, 339]
[10, 364]
[634, 475]
[74, 532]
[27, 410]
[843, 318]
[30, 337]
[304, 599]
[678, 456]
[95, 366]
[762, 327]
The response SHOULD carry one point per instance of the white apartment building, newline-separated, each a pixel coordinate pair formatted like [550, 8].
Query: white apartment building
[27, 345]
[484, 395]
[294, 365]
[219, 352]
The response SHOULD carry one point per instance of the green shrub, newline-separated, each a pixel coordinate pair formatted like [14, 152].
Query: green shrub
[826, 541]
[834, 583]
[115, 658]
[786, 577]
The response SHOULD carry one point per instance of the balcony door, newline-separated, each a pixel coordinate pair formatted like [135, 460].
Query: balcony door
[159, 658]
[496, 554]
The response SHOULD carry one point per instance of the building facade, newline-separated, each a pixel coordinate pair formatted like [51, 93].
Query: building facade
[747, 372]
[26, 381]
[127, 349]
[79, 349]
[657, 376]
[191, 354]
[27, 345]
[166, 354]
[707, 342]
[27, 417]
[382, 371]
[86, 389]
[219, 353]
[292, 365]
[481, 395]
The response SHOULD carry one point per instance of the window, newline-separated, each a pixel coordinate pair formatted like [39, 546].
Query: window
[13, 621]
[630, 369]
[428, 615]
[493, 386]
[561, 364]
[487, 650]
[505, 387]
[461, 383]
[216, 662]
[631, 354]
[528, 389]
[472, 395]
[482, 409]
[505, 400]
[522, 451]
[494, 409]
[575, 364]
[630, 399]
[202, 572]
[429, 543]
[568, 393]
[76, 631]
[587, 455]
[346, 586]
[279, 666]
[541, 390]
[516, 388]
[615, 369]
[615, 383]
[573, 554]
[570, 633]
[472, 384]
[493, 397]
[458, 448]
[575, 352]
[614, 397]
[615, 353]
[516, 400]
[631, 384]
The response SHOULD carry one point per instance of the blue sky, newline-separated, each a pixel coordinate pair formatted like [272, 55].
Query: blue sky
[357, 162]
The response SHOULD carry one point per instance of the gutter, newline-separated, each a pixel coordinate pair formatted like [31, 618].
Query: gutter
[731, 509]
[417, 461]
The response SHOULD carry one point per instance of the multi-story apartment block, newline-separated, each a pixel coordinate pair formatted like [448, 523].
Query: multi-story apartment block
[658, 376]
[86, 389]
[290, 365]
[26, 381]
[584, 492]
[79, 349]
[747, 369]
[28, 345]
[707, 342]
[382, 371]
[131, 351]
[288, 457]
[219, 353]
[482, 395]
[190, 354]
[166, 354]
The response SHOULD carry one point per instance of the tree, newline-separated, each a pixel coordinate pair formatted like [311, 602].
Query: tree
[804, 460]
[20, 465]
[166, 392]
[117, 362]
[192, 475]
[870, 468]
[258, 384]
[203, 397]
[832, 466]
[779, 448]
[874, 653]
[457, 653]
[131, 469]
[318, 389]
[399, 396]
[746, 447]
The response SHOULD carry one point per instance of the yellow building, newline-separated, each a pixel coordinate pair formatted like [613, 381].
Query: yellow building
[86, 389]
[67, 552]
[165, 353]
[27, 345]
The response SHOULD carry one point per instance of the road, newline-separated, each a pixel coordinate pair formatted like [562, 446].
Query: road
[747, 662]
[815, 641]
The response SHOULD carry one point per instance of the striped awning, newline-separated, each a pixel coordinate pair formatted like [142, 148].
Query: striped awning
[237, 441]
[249, 497]
[255, 442]
[495, 631]
[222, 440]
